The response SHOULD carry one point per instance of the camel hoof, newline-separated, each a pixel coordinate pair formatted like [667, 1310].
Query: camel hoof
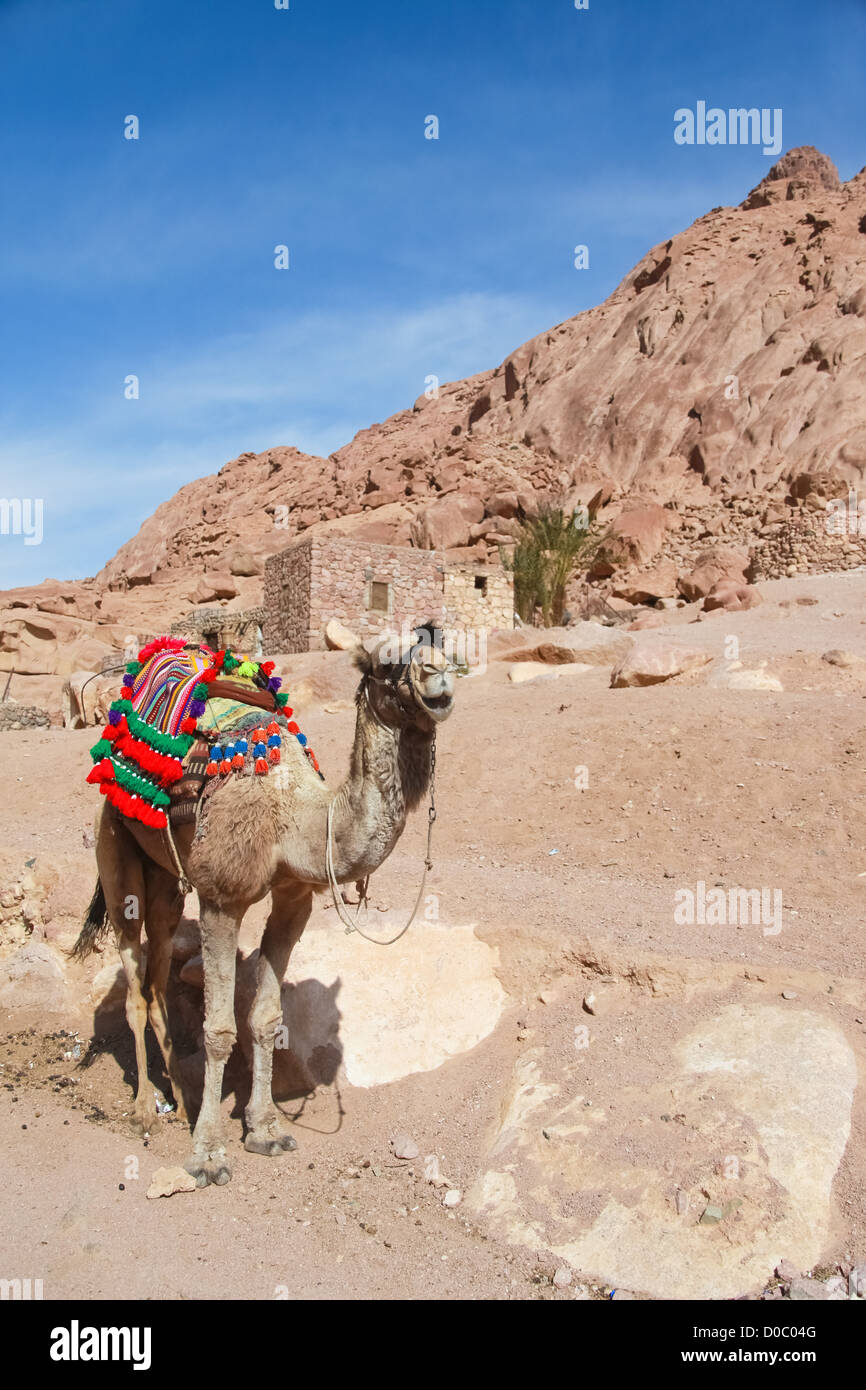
[213, 1169]
[144, 1121]
[270, 1147]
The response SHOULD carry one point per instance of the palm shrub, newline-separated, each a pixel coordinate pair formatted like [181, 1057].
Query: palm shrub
[548, 549]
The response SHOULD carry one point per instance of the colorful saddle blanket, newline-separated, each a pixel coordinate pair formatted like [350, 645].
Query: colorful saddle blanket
[187, 713]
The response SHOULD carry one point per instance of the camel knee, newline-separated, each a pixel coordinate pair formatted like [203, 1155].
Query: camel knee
[264, 1030]
[219, 1042]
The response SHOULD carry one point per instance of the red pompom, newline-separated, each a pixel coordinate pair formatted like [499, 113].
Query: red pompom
[212, 769]
[293, 729]
[261, 765]
[238, 761]
[188, 726]
[274, 755]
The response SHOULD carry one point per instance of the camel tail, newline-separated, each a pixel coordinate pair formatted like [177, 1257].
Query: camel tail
[96, 923]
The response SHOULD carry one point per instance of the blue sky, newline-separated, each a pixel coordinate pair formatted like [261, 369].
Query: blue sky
[409, 256]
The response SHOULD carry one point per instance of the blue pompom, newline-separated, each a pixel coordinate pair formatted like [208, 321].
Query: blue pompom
[275, 741]
[302, 740]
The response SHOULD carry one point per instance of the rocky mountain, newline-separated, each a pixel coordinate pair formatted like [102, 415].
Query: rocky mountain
[724, 369]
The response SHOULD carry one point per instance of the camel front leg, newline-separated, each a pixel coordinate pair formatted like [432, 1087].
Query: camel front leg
[290, 910]
[219, 939]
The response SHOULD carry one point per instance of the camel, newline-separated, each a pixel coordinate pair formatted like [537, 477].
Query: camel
[263, 835]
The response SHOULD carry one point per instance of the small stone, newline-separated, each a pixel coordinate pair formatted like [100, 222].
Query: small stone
[562, 1277]
[786, 1271]
[711, 1215]
[682, 1202]
[431, 1171]
[452, 1198]
[804, 1290]
[789, 994]
[589, 1003]
[836, 1287]
[404, 1146]
[166, 1181]
[857, 1281]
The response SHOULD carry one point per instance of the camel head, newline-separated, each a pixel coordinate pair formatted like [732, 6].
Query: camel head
[408, 681]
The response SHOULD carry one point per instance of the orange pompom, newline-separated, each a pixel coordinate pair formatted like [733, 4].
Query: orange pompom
[261, 765]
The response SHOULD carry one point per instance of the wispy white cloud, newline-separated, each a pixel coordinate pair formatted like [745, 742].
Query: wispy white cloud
[312, 382]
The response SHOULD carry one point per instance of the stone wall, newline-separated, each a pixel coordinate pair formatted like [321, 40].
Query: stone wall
[344, 573]
[478, 596]
[319, 578]
[286, 626]
[804, 546]
[15, 716]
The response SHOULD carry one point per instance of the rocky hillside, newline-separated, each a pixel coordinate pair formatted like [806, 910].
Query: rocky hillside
[722, 374]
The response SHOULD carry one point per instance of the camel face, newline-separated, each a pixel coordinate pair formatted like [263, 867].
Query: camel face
[431, 678]
[411, 685]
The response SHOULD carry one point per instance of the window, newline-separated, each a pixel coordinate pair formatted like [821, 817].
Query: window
[380, 596]
[481, 583]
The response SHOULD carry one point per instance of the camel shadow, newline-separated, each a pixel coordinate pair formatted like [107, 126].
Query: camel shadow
[308, 1050]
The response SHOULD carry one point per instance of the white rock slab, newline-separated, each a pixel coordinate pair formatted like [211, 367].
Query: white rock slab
[397, 1010]
[775, 1086]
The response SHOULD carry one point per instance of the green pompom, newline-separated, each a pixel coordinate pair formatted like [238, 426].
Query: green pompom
[282, 698]
[133, 668]
[200, 691]
[100, 750]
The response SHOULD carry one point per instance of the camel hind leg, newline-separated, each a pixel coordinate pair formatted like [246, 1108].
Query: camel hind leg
[162, 912]
[121, 874]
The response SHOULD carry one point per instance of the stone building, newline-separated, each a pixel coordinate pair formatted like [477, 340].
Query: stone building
[219, 628]
[374, 588]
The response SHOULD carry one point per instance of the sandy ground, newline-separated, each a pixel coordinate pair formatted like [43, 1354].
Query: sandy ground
[686, 781]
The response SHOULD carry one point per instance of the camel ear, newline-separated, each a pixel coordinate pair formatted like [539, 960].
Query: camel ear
[362, 659]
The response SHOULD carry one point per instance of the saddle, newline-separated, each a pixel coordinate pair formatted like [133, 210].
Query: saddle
[188, 715]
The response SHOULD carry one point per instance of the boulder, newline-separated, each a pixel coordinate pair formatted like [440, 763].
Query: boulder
[658, 582]
[650, 617]
[213, 586]
[732, 597]
[446, 523]
[244, 563]
[649, 664]
[339, 638]
[719, 564]
[635, 537]
[34, 977]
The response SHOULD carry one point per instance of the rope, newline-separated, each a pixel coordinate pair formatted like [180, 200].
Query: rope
[183, 882]
[351, 924]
